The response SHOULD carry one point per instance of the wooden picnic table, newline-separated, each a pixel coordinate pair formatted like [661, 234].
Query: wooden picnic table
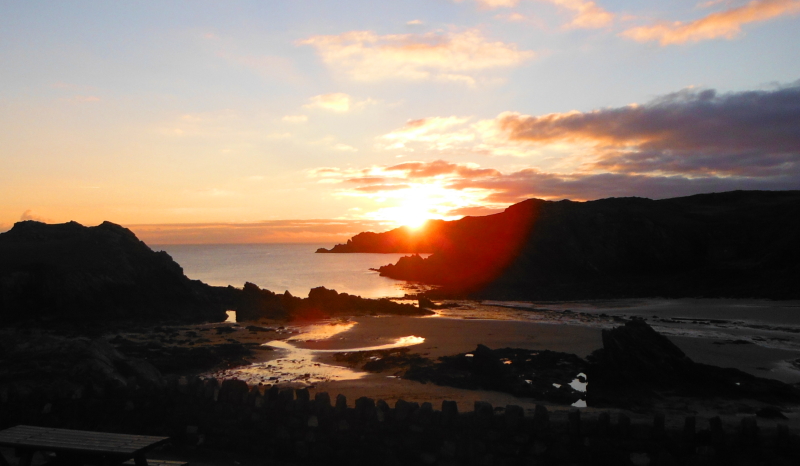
[76, 447]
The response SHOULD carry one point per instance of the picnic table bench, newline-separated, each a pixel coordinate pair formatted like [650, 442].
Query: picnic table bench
[76, 447]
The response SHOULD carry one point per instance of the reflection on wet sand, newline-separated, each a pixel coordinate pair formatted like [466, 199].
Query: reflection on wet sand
[297, 365]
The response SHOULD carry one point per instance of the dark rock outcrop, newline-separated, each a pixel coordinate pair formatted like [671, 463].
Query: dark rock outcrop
[403, 240]
[637, 365]
[734, 244]
[68, 272]
[539, 374]
[253, 303]
[71, 367]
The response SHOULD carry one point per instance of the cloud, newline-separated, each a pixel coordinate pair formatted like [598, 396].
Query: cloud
[414, 22]
[273, 231]
[692, 132]
[417, 170]
[725, 24]
[344, 148]
[687, 142]
[451, 190]
[295, 118]
[512, 17]
[528, 183]
[450, 56]
[31, 215]
[497, 3]
[586, 15]
[433, 131]
[493, 4]
[336, 102]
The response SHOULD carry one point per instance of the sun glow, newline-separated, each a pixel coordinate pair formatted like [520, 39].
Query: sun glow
[410, 216]
[417, 203]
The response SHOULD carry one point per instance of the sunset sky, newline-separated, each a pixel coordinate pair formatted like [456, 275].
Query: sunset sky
[241, 121]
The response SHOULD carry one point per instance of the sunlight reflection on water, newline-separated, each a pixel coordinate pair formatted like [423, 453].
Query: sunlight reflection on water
[297, 365]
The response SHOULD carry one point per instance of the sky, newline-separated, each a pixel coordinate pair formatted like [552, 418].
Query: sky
[286, 121]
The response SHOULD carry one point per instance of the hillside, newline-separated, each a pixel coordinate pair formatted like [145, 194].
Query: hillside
[733, 244]
[71, 272]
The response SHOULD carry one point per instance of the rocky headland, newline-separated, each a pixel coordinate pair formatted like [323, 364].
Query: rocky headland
[71, 273]
[734, 244]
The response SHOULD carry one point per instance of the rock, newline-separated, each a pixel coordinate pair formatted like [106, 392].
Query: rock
[770, 412]
[520, 372]
[67, 273]
[636, 363]
[253, 303]
[65, 368]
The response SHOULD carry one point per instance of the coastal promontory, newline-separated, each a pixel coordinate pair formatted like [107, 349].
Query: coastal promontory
[733, 244]
[70, 272]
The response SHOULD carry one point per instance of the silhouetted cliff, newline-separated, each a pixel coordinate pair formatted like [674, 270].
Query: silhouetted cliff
[71, 272]
[734, 244]
[252, 303]
[403, 239]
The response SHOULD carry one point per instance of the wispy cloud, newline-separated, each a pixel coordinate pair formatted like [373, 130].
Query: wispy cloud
[585, 14]
[335, 102]
[338, 102]
[449, 190]
[725, 24]
[272, 231]
[295, 118]
[441, 56]
[436, 132]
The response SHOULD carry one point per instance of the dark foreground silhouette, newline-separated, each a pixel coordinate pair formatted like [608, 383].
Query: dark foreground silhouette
[90, 385]
[69, 274]
[734, 244]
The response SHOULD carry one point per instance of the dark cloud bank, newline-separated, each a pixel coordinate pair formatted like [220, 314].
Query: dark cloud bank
[686, 142]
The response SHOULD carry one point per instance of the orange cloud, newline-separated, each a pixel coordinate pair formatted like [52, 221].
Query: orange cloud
[492, 4]
[433, 130]
[450, 190]
[725, 24]
[295, 118]
[336, 102]
[587, 15]
[415, 170]
[454, 56]
[497, 3]
[275, 231]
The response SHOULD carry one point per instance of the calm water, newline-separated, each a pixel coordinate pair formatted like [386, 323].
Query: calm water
[280, 267]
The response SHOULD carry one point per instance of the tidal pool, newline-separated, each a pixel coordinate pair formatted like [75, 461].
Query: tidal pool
[296, 364]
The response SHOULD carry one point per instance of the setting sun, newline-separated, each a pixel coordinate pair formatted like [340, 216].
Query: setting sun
[411, 217]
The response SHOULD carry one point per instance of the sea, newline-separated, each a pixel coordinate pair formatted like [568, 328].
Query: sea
[293, 267]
